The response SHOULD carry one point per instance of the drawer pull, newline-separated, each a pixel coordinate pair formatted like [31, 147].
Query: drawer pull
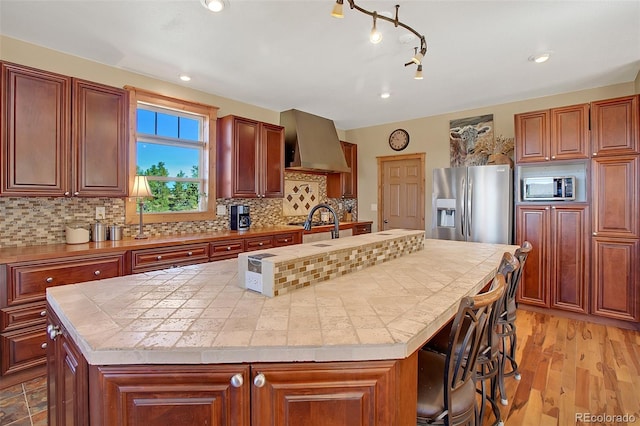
[43, 313]
[595, 234]
[237, 380]
[66, 194]
[44, 345]
[546, 158]
[261, 243]
[53, 331]
[286, 240]
[96, 273]
[190, 253]
[553, 157]
[228, 248]
[49, 279]
[159, 258]
[259, 380]
[76, 193]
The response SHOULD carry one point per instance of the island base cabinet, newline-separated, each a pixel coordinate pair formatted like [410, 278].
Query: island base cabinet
[335, 394]
[170, 395]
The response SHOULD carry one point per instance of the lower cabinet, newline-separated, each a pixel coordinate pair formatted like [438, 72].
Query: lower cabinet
[168, 257]
[367, 393]
[556, 274]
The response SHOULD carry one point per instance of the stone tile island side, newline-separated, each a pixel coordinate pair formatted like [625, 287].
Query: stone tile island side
[202, 314]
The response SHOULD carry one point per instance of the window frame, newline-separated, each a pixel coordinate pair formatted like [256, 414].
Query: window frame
[210, 113]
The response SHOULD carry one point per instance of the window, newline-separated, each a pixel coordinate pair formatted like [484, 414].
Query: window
[170, 144]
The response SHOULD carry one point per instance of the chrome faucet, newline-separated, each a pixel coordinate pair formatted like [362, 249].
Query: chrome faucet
[336, 226]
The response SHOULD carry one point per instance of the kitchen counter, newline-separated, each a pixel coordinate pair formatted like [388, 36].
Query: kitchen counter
[200, 315]
[43, 252]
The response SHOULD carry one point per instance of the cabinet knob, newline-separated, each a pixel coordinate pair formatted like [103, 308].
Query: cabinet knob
[553, 208]
[44, 345]
[595, 234]
[190, 253]
[259, 380]
[96, 273]
[159, 258]
[594, 154]
[546, 208]
[53, 331]
[43, 313]
[49, 279]
[228, 248]
[286, 240]
[66, 194]
[76, 193]
[553, 157]
[260, 243]
[546, 158]
[237, 380]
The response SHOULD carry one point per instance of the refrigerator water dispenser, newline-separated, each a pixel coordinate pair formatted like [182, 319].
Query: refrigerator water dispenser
[446, 212]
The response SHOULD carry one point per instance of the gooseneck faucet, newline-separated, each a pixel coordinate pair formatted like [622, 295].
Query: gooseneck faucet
[336, 226]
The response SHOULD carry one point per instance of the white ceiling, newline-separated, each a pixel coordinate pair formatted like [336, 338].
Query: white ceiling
[292, 54]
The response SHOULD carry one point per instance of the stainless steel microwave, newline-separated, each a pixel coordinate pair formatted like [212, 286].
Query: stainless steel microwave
[549, 188]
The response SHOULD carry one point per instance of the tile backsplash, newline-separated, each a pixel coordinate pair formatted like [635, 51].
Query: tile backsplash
[29, 221]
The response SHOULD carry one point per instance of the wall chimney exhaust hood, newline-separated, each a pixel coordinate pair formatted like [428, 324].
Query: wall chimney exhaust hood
[311, 143]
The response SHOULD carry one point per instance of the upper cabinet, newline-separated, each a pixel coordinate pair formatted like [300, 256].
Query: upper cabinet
[250, 159]
[554, 134]
[61, 136]
[614, 125]
[345, 185]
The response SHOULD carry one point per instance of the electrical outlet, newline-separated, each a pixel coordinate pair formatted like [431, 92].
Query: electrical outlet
[100, 213]
[221, 210]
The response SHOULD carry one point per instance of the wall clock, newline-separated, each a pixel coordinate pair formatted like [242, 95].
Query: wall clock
[399, 139]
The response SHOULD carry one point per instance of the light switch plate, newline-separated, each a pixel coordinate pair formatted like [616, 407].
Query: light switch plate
[100, 213]
[374, 207]
[221, 209]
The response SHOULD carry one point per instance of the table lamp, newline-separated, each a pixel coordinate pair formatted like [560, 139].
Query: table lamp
[140, 190]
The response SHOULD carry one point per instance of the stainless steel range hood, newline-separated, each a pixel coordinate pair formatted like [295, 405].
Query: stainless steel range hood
[311, 143]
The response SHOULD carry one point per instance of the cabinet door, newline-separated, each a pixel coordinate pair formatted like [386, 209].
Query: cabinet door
[616, 202]
[34, 160]
[616, 278]
[533, 225]
[350, 180]
[570, 132]
[245, 158]
[336, 394]
[22, 349]
[569, 268]
[67, 379]
[100, 117]
[532, 136]
[614, 126]
[272, 162]
[170, 395]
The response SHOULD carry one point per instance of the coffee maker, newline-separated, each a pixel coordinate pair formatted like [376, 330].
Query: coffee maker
[240, 219]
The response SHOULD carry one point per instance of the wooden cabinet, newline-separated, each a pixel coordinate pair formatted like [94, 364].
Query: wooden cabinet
[337, 394]
[168, 257]
[616, 202]
[345, 185]
[230, 249]
[615, 126]
[555, 134]
[616, 278]
[250, 159]
[557, 271]
[281, 240]
[67, 379]
[258, 243]
[23, 316]
[171, 395]
[361, 228]
[62, 136]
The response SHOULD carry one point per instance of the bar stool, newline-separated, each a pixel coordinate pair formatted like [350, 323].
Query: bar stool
[446, 381]
[506, 323]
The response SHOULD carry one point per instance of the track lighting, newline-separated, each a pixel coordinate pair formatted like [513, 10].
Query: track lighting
[376, 37]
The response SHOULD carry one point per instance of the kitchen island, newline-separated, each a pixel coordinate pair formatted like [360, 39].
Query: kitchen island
[191, 346]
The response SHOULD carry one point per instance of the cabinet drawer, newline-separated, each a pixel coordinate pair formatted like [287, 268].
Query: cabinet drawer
[23, 349]
[28, 282]
[258, 243]
[226, 249]
[284, 239]
[23, 316]
[167, 257]
[364, 228]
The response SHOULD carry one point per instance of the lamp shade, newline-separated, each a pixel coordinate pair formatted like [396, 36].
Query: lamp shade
[140, 187]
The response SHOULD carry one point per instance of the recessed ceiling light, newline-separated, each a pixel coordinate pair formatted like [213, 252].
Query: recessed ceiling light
[539, 58]
[385, 95]
[214, 5]
[185, 77]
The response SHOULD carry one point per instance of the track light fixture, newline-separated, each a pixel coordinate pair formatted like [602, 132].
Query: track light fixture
[376, 36]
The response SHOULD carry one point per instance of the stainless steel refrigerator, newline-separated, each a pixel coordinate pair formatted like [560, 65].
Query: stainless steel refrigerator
[473, 204]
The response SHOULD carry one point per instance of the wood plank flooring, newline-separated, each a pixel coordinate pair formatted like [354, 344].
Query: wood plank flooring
[570, 369]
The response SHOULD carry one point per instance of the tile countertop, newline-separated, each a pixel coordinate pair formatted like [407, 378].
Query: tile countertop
[199, 315]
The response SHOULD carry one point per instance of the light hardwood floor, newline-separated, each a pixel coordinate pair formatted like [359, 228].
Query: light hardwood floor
[570, 367]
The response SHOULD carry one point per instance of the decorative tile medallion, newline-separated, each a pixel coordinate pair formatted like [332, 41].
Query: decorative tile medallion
[299, 197]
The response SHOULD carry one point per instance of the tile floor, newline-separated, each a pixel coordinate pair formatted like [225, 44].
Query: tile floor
[24, 404]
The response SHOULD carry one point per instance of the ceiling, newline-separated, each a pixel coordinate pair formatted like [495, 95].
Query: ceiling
[292, 54]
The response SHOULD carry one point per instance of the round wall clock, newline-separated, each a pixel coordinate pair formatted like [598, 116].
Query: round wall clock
[399, 139]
